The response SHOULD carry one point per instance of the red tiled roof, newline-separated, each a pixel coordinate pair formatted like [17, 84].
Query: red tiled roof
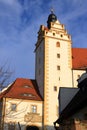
[79, 58]
[22, 89]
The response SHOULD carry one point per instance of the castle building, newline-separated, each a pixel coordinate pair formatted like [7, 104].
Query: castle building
[74, 114]
[57, 65]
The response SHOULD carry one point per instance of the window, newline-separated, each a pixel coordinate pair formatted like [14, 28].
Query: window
[27, 86]
[59, 78]
[34, 109]
[53, 34]
[58, 44]
[78, 76]
[55, 88]
[11, 126]
[13, 107]
[58, 67]
[28, 95]
[61, 35]
[58, 55]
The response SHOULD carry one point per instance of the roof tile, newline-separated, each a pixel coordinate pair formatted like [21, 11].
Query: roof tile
[79, 58]
[23, 89]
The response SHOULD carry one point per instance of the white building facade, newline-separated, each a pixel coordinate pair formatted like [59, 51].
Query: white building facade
[54, 66]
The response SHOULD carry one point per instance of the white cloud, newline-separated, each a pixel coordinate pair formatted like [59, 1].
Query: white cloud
[20, 22]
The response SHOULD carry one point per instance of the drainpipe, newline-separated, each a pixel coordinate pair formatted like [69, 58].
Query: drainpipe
[72, 79]
[19, 126]
[3, 112]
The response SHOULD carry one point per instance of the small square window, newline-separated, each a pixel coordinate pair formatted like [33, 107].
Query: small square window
[53, 34]
[13, 107]
[58, 67]
[78, 76]
[58, 44]
[58, 55]
[55, 88]
[34, 109]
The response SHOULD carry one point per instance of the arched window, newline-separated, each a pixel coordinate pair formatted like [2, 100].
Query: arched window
[58, 44]
[32, 128]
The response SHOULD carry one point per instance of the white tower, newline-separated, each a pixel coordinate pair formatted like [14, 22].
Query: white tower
[53, 66]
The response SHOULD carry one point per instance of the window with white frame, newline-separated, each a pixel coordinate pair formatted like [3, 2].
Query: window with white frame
[34, 109]
[13, 107]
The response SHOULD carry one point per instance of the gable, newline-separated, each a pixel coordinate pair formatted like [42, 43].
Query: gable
[23, 89]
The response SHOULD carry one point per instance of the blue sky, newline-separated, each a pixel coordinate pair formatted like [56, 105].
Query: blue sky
[20, 21]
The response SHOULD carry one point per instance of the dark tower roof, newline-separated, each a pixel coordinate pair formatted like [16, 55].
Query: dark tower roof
[51, 18]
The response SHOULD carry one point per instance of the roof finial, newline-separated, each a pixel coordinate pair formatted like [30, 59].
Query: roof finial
[52, 10]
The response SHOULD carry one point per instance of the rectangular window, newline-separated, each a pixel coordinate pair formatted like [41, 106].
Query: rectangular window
[34, 109]
[13, 107]
[58, 55]
[11, 126]
[58, 67]
[55, 88]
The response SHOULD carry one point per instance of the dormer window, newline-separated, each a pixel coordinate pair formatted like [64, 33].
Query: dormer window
[26, 86]
[28, 95]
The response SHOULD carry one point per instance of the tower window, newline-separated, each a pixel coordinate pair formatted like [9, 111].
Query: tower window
[58, 44]
[61, 35]
[55, 88]
[59, 78]
[53, 34]
[58, 55]
[58, 67]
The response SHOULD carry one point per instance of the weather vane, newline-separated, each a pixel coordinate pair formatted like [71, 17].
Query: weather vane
[52, 10]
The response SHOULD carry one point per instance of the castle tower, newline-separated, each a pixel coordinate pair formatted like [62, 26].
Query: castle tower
[53, 65]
